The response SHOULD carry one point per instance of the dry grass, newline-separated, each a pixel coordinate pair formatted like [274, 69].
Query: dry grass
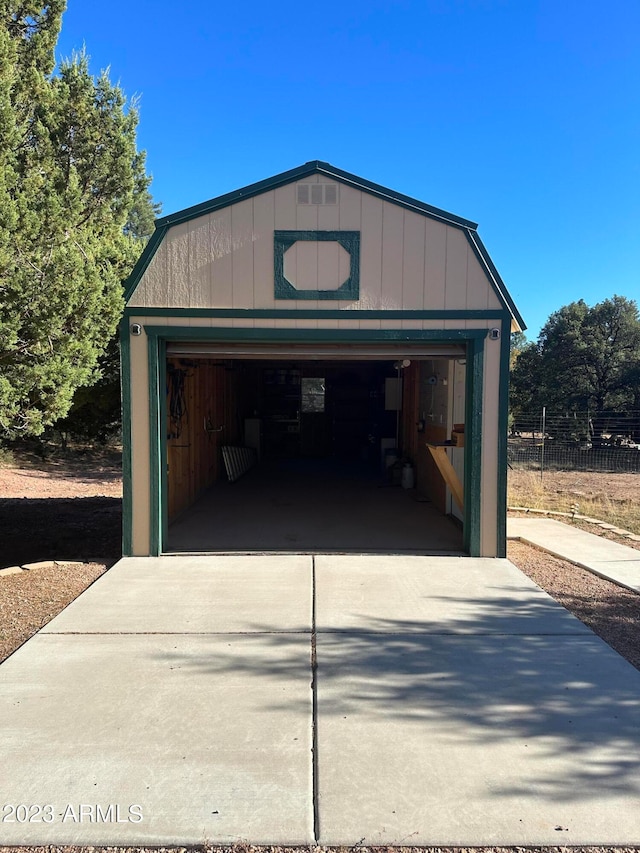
[608, 497]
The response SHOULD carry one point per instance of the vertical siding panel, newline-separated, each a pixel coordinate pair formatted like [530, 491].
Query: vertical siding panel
[210, 260]
[307, 254]
[199, 261]
[263, 225]
[153, 288]
[480, 291]
[290, 263]
[349, 209]
[328, 220]
[140, 449]
[329, 216]
[332, 266]
[242, 254]
[435, 264]
[371, 253]
[285, 207]
[286, 219]
[178, 250]
[221, 261]
[307, 219]
[490, 426]
[456, 280]
[392, 234]
[307, 324]
[413, 262]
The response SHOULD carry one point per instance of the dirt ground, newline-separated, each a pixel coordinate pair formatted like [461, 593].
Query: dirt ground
[578, 484]
[65, 508]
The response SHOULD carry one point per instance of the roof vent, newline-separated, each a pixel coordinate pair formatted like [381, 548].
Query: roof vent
[317, 193]
[330, 193]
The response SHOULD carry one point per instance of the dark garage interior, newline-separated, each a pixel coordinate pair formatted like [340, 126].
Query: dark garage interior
[329, 440]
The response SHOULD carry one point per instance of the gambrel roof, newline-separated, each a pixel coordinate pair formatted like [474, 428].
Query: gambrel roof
[318, 167]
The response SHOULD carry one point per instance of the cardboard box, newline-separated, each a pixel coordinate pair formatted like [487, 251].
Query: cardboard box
[457, 435]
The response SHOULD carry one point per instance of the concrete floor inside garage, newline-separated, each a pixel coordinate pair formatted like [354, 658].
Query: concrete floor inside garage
[313, 505]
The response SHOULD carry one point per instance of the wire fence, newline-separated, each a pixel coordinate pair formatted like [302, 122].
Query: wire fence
[569, 441]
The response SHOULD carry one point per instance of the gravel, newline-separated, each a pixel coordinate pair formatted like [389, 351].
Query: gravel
[358, 848]
[611, 611]
[32, 598]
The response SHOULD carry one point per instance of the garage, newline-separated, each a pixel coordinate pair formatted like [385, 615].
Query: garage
[315, 363]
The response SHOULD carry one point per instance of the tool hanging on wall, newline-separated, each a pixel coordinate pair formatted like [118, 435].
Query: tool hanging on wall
[209, 428]
[176, 402]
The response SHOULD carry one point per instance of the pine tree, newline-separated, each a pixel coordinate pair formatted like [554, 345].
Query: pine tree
[69, 176]
[584, 358]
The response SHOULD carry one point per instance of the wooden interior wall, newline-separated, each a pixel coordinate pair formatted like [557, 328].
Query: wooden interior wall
[428, 478]
[208, 402]
[410, 437]
[434, 486]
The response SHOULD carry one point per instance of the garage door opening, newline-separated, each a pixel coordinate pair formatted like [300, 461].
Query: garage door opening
[327, 442]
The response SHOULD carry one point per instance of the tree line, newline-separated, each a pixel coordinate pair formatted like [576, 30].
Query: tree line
[585, 359]
[75, 210]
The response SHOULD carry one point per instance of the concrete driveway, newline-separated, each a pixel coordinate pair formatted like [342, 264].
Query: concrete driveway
[333, 699]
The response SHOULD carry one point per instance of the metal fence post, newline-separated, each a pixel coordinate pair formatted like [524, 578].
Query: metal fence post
[544, 426]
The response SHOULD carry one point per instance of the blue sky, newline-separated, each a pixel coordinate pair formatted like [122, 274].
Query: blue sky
[522, 115]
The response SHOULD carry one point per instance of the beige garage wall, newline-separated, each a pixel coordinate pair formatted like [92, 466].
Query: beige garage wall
[140, 470]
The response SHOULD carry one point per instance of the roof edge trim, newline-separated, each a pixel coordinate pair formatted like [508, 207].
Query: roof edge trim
[311, 168]
[143, 261]
[494, 276]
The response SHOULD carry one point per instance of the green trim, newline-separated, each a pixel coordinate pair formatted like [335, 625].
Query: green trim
[155, 455]
[503, 428]
[350, 242]
[143, 261]
[474, 339]
[473, 446]
[315, 313]
[163, 510]
[211, 333]
[125, 391]
[498, 284]
[313, 167]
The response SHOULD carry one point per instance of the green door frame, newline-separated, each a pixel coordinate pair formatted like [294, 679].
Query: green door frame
[158, 336]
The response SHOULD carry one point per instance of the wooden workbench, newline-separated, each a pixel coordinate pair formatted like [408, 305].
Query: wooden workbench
[448, 472]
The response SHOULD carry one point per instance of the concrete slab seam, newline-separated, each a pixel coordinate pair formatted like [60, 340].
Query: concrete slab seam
[454, 633]
[168, 633]
[314, 709]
